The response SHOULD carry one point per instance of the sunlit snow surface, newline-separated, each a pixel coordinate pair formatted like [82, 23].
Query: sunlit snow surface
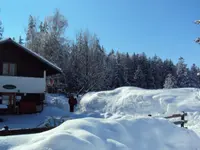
[122, 123]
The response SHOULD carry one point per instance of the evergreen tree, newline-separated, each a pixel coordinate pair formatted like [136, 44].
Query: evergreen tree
[118, 76]
[21, 40]
[45, 27]
[193, 76]
[97, 64]
[150, 79]
[41, 27]
[139, 78]
[170, 82]
[110, 70]
[31, 31]
[182, 73]
[1, 30]
[157, 71]
[129, 71]
[142, 63]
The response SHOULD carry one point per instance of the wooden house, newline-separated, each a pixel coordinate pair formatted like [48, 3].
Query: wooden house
[22, 78]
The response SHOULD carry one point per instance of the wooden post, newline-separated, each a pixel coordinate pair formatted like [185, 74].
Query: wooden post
[182, 119]
[45, 80]
[45, 74]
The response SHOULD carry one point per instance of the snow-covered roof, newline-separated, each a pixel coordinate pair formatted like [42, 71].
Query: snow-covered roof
[32, 53]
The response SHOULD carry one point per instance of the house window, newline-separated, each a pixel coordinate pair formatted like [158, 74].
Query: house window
[5, 99]
[9, 69]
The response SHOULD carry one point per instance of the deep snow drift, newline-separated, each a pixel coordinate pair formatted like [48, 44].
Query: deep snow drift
[107, 134]
[140, 102]
[131, 100]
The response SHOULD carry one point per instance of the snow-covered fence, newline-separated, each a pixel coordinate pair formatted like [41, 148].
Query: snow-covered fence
[180, 122]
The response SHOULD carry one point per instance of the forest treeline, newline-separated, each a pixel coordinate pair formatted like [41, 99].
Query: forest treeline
[87, 66]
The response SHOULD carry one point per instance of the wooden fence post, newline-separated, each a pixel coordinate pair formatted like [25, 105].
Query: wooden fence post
[182, 119]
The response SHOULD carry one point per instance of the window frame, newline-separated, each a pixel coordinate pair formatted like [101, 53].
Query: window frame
[9, 71]
[7, 100]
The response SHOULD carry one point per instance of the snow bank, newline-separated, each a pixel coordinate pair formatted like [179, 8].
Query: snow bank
[57, 100]
[131, 100]
[56, 108]
[107, 134]
[32, 120]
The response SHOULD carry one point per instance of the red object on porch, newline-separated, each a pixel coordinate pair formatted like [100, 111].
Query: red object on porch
[50, 82]
[27, 107]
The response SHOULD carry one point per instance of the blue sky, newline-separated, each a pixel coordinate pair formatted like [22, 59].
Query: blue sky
[164, 28]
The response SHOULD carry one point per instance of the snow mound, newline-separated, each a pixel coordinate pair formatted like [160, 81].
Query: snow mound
[107, 134]
[57, 100]
[131, 100]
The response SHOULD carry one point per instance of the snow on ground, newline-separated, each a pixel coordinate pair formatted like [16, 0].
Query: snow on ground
[57, 100]
[130, 100]
[139, 102]
[107, 134]
[114, 120]
[31, 120]
[56, 107]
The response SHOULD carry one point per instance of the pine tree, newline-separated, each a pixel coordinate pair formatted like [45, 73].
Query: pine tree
[168, 68]
[97, 64]
[45, 27]
[170, 82]
[110, 71]
[139, 78]
[1, 30]
[31, 31]
[150, 79]
[193, 76]
[128, 69]
[41, 27]
[21, 40]
[157, 71]
[182, 73]
[142, 62]
[33, 39]
[120, 71]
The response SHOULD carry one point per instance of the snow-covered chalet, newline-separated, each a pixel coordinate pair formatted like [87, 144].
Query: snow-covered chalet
[22, 78]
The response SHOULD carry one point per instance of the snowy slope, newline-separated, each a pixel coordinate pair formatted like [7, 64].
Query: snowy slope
[107, 134]
[139, 102]
[131, 100]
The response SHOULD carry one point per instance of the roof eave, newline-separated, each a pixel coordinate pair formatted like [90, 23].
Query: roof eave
[34, 54]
